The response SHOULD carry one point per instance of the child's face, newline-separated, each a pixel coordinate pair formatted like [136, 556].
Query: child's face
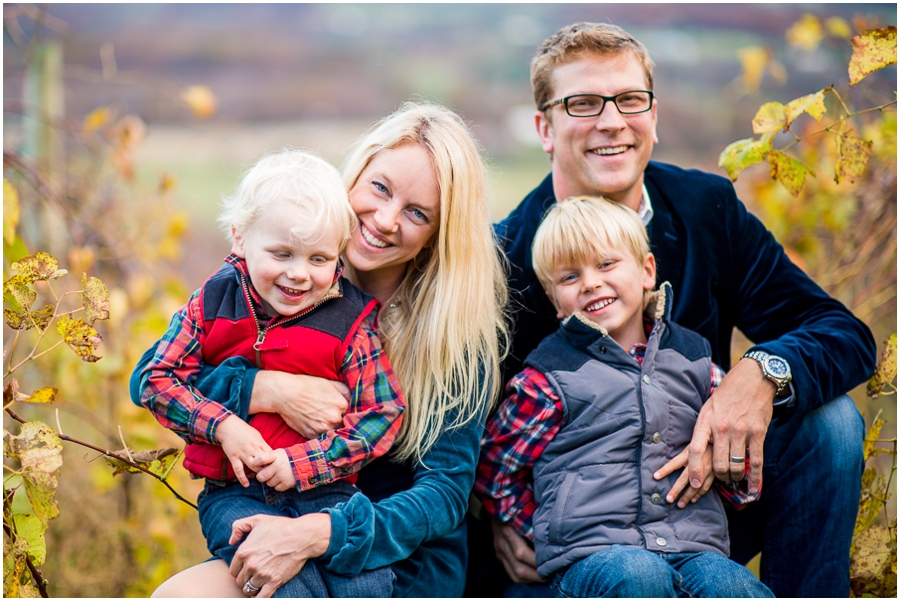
[289, 276]
[609, 292]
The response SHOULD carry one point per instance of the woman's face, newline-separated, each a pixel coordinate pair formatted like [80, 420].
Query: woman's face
[398, 202]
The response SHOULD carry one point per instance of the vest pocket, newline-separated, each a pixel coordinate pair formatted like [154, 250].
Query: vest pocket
[555, 531]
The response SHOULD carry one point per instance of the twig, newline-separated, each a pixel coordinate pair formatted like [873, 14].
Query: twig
[35, 572]
[124, 445]
[58, 425]
[113, 455]
[838, 122]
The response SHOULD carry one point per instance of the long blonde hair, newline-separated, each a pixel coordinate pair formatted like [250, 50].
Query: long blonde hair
[447, 333]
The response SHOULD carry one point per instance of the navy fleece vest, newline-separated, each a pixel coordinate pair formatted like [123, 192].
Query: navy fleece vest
[594, 482]
[313, 343]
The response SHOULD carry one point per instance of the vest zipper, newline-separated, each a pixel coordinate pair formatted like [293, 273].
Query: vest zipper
[261, 332]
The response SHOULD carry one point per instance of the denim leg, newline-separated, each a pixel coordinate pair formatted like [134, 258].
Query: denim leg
[618, 572]
[712, 574]
[368, 583]
[809, 504]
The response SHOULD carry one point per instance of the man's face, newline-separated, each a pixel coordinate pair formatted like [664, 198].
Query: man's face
[603, 155]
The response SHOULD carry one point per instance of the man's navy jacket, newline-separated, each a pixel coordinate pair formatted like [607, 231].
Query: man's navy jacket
[726, 269]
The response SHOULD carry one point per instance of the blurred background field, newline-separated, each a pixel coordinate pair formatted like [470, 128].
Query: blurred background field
[144, 116]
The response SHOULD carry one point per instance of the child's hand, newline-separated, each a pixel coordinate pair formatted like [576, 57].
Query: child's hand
[274, 469]
[241, 443]
[691, 494]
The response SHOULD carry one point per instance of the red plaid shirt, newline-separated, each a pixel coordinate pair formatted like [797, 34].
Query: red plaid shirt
[371, 423]
[519, 431]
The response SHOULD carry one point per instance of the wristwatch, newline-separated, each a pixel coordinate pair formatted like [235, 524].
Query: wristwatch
[774, 368]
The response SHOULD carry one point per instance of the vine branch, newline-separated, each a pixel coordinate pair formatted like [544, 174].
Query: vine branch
[113, 455]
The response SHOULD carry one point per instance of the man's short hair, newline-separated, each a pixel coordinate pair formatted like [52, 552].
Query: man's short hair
[582, 229]
[577, 40]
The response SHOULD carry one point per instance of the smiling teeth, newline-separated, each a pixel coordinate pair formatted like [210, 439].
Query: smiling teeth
[292, 290]
[606, 151]
[599, 305]
[372, 239]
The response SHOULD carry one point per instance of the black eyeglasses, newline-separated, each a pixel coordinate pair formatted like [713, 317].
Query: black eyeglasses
[591, 105]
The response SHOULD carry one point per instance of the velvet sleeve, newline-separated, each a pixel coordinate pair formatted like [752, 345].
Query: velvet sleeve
[367, 535]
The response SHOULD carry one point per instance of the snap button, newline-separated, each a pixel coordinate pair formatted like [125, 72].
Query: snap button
[312, 480]
[656, 437]
[646, 379]
[602, 349]
[654, 498]
[661, 541]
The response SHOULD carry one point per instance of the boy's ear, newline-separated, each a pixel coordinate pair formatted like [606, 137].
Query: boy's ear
[559, 313]
[649, 269]
[237, 242]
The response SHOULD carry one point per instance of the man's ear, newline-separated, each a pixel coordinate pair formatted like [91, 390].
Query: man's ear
[237, 242]
[544, 130]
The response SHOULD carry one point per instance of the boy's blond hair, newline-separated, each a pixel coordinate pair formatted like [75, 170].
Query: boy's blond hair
[581, 230]
[298, 176]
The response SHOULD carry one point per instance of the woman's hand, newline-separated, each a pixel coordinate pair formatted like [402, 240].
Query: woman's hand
[692, 494]
[309, 405]
[514, 553]
[276, 548]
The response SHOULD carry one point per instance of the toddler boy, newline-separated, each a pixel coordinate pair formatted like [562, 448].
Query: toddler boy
[280, 302]
[581, 453]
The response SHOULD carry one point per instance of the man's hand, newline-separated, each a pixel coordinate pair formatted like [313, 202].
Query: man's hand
[274, 469]
[242, 443]
[514, 553]
[735, 419]
[691, 494]
[309, 405]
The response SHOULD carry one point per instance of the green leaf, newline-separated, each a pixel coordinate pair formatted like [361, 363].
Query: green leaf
[31, 529]
[80, 337]
[853, 156]
[40, 266]
[39, 450]
[886, 370]
[96, 299]
[814, 104]
[872, 50]
[790, 172]
[159, 461]
[770, 118]
[739, 155]
[10, 212]
[15, 250]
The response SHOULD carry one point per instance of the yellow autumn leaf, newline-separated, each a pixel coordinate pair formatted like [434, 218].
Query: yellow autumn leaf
[18, 293]
[25, 320]
[201, 100]
[43, 395]
[806, 33]
[872, 50]
[39, 451]
[873, 565]
[95, 299]
[96, 119]
[10, 211]
[753, 65]
[770, 118]
[813, 104]
[886, 370]
[838, 27]
[739, 155]
[80, 337]
[39, 266]
[790, 172]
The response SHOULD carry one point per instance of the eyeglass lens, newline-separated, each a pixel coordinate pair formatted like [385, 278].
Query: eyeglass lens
[589, 105]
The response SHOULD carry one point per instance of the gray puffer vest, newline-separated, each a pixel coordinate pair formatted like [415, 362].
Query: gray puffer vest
[622, 421]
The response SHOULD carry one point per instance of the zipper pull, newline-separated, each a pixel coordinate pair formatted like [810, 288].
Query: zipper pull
[259, 340]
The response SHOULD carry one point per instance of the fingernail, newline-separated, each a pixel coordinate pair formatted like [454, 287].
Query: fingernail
[695, 483]
[656, 475]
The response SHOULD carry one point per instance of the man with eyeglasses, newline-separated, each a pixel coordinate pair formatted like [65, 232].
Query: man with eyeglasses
[782, 407]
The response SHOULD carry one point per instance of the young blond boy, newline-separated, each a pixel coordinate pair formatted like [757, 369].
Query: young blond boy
[280, 302]
[580, 456]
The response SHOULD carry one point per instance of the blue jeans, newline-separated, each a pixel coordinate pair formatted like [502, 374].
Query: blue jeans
[221, 506]
[631, 572]
[804, 521]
